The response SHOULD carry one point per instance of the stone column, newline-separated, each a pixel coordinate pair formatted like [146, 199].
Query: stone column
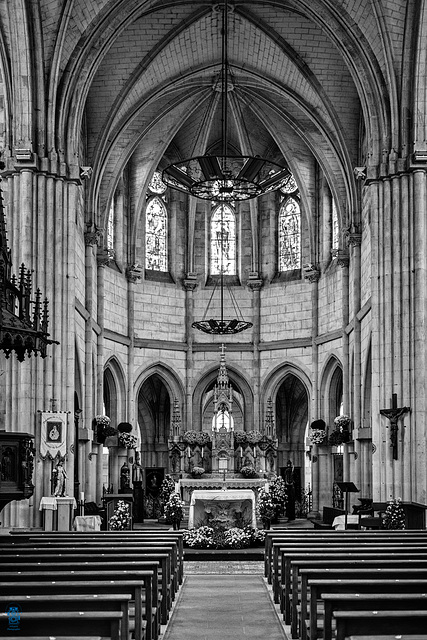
[190, 285]
[255, 285]
[312, 274]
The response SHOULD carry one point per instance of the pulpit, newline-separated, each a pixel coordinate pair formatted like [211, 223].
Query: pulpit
[229, 508]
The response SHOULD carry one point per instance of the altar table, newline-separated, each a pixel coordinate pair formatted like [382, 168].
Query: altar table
[223, 505]
[87, 523]
[57, 512]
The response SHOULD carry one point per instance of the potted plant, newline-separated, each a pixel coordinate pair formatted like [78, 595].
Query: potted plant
[127, 440]
[266, 508]
[279, 496]
[248, 471]
[174, 510]
[103, 428]
[121, 518]
[394, 516]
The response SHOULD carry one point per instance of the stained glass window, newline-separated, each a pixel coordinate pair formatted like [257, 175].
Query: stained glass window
[335, 227]
[157, 185]
[156, 230]
[289, 235]
[110, 226]
[223, 241]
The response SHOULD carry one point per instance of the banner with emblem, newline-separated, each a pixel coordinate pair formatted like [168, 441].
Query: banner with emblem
[53, 434]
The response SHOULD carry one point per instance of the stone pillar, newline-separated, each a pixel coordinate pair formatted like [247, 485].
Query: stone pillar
[255, 284]
[312, 274]
[190, 285]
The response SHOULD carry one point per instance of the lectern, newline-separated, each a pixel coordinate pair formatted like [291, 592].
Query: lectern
[346, 488]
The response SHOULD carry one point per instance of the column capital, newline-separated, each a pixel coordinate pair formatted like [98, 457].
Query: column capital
[104, 257]
[353, 235]
[190, 283]
[254, 281]
[342, 257]
[311, 272]
[92, 237]
[134, 272]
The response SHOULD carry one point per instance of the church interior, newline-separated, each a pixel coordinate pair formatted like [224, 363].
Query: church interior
[215, 214]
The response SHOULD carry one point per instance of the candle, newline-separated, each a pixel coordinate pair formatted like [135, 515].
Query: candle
[202, 451]
[188, 452]
[241, 452]
[254, 452]
[82, 496]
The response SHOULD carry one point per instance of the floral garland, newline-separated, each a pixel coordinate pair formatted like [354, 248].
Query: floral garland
[342, 422]
[254, 437]
[121, 517]
[174, 508]
[102, 421]
[240, 437]
[127, 440]
[317, 436]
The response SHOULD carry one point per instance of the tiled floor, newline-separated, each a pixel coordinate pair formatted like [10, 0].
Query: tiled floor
[231, 567]
[215, 606]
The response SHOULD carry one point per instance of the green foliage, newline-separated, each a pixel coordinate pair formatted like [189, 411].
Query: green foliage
[218, 538]
[266, 507]
[167, 487]
[278, 495]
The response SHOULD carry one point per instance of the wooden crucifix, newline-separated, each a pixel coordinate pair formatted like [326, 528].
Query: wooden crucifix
[393, 415]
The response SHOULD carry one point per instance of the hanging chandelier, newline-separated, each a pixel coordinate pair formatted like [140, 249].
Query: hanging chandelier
[226, 177]
[222, 325]
[23, 322]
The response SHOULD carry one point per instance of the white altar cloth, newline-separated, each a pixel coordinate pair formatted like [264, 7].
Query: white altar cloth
[219, 502]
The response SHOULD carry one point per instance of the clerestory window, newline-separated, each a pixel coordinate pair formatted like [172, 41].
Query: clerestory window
[289, 222]
[156, 226]
[223, 241]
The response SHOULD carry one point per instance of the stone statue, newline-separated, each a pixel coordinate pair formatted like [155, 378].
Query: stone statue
[136, 470]
[124, 478]
[59, 476]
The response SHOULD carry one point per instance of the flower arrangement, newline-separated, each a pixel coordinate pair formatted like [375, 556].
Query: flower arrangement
[167, 488]
[266, 507]
[342, 422]
[240, 437]
[317, 436]
[103, 428]
[197, 472]
[121, 517]
[202, 438]
[190, 437]
[253, 437]
[279, 495]
[127, 440]
[248, 471]
[394, 516]
[174, 508]
[235, 538]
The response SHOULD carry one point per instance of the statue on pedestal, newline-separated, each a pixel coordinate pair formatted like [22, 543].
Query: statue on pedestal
[59, 476]
[290, 490]
[124, 478]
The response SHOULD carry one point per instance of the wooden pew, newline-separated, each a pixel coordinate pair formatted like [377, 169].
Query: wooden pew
[81, 623]
[59, 603]
[360, 601]
[84, 555]
[144, 592]
[274, 540]
[367, 546]
[379, 623]
[304, 535]
[108, 537]
[321, 568]
[64, 563]
[366, 584]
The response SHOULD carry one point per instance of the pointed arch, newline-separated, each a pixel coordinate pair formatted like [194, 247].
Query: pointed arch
[114, 391]
[331, 389]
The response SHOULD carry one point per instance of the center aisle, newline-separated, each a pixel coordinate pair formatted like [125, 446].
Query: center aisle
[222, 607]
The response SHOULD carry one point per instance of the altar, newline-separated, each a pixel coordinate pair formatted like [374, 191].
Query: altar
[229, 507]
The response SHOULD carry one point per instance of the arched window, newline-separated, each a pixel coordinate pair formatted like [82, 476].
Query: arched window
[335, 227]
[110, 226]
[289, 234]
[223, 241]
[156, 226]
